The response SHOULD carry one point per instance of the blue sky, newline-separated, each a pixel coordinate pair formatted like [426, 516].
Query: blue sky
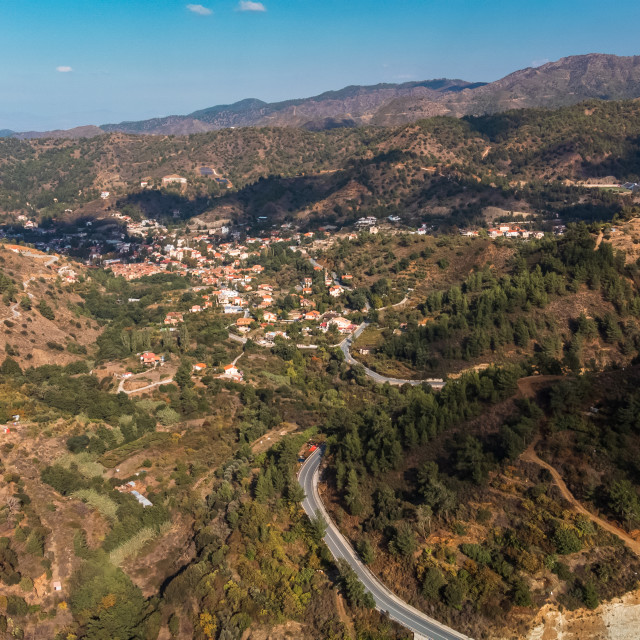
[73, 62]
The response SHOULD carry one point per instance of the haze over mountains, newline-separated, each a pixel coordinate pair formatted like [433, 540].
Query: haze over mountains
[561, 83]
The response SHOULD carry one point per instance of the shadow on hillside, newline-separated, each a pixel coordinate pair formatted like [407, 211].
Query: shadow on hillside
[589, 212]
[625, 167]
[74, 237]
[273, 197]
[364, 182]
[164, 206]
[498, 126]
[66, 226]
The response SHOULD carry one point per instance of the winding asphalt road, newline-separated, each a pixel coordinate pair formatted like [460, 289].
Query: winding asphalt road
[345, 346]
[386, 601]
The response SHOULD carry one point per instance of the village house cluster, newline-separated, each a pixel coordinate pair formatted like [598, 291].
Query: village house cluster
[506, 230]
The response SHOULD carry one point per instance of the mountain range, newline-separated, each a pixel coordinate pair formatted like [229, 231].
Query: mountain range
[562, 83]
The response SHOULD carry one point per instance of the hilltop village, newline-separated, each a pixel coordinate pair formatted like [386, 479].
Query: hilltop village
[227, 270]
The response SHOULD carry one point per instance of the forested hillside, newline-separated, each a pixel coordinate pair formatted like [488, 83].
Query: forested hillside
[154, 427]
[574, 301]
[445, 498]
[440, 166]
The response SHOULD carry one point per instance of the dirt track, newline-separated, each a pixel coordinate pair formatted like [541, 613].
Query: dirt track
[531, 456]
[531, 385]
[599, 240]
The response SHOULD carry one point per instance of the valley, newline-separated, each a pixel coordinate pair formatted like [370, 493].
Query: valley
[442, 316]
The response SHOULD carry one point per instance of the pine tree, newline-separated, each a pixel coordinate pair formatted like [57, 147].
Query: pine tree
[183, 338]
[264, 488]
[366, 551]
[352, 497]
[295, 492]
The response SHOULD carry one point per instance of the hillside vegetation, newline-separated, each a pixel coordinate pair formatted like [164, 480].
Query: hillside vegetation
[519, 160]
[436, 496]
[152, 434]
[41, 315]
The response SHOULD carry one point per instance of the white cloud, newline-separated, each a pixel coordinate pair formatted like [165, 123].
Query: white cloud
[539, 63]
[248, 5]
[199, 9]
[64, 69]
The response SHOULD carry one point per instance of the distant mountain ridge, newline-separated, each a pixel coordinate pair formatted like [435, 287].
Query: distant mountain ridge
[353, 103]
[561, 83]
[88, 131]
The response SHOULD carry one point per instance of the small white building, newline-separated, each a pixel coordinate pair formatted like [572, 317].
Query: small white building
[173, 179]
[232, 372]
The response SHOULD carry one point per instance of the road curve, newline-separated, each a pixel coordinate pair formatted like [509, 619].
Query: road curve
[121, 388]
[345, 345]
[386, 601]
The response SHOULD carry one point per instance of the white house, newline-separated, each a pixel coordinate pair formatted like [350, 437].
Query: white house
[173, 179]
[232, 372]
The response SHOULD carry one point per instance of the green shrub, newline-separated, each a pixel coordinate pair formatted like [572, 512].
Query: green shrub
[522, 594]
[174, 625]
[17, 606]
[366, 551]
[483, 515]
[432, 583]
[476, 552]
[353, 588]
[45, 310]
[167, 416]
[77, 349]
[8, 563]
[91, 584]
[61, 479]
[26, 584]
[404, 541]
[36, 541]
[454, 593]
[566, 541]
[563, 572]
[590, 595]
[83, 462]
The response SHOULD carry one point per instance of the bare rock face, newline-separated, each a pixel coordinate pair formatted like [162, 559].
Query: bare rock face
[618, 619]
